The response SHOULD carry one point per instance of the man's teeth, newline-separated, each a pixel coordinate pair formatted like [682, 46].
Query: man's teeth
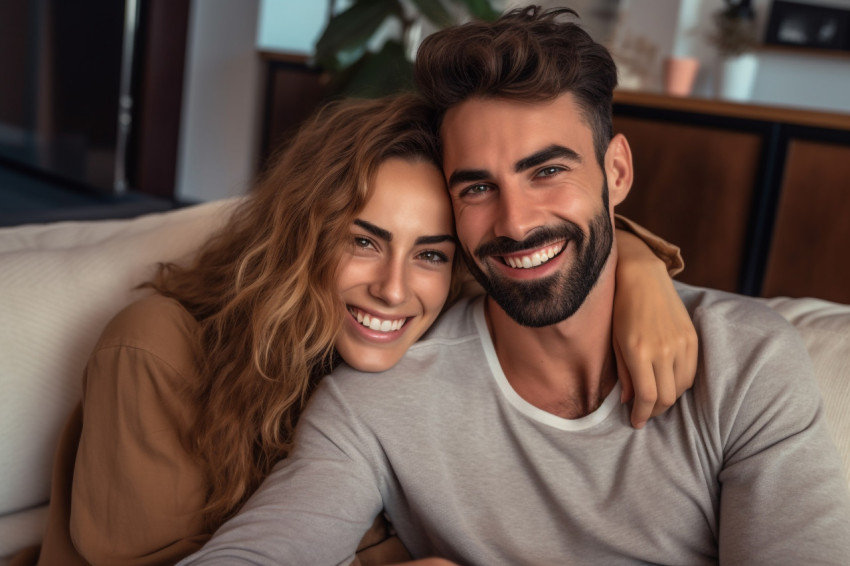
[535, 259]
[376, 323]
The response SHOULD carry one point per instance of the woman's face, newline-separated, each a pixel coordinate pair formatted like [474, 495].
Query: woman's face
[395, 274]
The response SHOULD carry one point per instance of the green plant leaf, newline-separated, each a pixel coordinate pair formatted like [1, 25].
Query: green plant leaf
[480, 9]
[435, 12]
[376, 74]
[352, 29]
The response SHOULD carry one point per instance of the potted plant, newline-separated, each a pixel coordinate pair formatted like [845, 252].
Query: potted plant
[364, 56]
[735, 37]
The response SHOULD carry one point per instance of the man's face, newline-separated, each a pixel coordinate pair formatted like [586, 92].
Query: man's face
[531, 203]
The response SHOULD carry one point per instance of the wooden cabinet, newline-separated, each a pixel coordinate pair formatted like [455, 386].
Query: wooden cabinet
[757, 197]
[694, 186]
[809, 253]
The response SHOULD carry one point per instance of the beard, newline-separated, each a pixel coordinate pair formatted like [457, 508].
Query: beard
[555, 298]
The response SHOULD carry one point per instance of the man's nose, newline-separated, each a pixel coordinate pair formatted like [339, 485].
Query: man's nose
[390, 284]
[517, 212]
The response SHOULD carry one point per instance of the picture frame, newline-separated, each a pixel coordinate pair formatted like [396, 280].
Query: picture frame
[808, 26]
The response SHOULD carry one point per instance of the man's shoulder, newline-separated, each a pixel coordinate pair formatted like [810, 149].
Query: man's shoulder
[744, 345]
[719, 311]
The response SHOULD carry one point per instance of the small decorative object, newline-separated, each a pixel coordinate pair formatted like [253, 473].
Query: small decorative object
[735, 38]
[808, 26]
[679, 75]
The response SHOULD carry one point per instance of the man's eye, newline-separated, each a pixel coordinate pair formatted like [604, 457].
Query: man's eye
[475, 190]
[549, 171]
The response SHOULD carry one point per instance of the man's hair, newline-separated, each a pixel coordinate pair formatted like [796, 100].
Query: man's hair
[528, 54]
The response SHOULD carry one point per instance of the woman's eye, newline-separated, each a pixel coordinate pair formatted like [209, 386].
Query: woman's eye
[433, 256]
[364, 243]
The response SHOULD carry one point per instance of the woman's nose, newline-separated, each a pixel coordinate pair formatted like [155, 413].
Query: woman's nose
[390, 285]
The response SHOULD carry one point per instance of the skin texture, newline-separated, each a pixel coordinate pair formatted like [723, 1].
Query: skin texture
[398, 266]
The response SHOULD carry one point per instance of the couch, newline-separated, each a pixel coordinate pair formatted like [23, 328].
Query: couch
[60, 283]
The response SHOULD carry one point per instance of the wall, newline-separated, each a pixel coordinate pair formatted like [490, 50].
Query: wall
[219, 127]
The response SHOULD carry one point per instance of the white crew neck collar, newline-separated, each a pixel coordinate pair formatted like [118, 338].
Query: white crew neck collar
[608, 405]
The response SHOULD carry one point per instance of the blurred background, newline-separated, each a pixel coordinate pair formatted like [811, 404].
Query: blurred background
[738, 112]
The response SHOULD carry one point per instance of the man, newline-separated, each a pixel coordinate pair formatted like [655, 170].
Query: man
[499, 438]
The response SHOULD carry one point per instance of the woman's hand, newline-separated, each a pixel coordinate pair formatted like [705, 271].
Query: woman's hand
[654, 339]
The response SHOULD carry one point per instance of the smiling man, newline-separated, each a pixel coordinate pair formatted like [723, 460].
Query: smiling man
[533, 210]
[499, 438]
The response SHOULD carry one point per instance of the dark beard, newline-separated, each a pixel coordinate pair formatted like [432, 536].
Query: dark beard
[555, 298]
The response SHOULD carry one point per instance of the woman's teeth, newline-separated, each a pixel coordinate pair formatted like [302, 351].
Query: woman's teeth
[376, 323]
[535, 259]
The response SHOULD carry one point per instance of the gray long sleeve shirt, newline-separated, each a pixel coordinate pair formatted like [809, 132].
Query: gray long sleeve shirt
[740, 471]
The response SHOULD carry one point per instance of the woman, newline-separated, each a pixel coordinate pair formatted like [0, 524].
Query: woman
[192, 393]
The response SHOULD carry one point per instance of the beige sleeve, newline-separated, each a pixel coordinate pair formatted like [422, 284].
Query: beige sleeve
[670, 254]
[136, 490]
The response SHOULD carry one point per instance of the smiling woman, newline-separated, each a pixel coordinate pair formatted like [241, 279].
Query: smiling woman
[395, 277]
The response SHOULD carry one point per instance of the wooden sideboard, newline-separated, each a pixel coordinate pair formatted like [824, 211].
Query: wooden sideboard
[757, 197]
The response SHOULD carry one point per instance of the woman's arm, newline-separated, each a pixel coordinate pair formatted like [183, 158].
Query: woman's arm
[654, 339]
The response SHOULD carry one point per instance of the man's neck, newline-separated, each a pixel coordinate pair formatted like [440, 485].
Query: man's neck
[567, 368]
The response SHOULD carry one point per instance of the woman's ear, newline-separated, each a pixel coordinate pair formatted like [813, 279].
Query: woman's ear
[618, 169]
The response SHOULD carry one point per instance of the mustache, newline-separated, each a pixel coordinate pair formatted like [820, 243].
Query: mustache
[503, 245]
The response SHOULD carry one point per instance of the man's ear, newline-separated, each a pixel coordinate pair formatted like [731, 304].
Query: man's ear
[618, 168]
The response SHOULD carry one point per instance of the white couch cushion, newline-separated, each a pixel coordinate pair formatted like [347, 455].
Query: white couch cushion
[59, 285]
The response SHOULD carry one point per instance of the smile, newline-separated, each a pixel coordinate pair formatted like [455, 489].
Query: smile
[375, 323]
[535, 259]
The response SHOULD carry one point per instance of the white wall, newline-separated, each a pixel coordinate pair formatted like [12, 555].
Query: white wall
[219, 126]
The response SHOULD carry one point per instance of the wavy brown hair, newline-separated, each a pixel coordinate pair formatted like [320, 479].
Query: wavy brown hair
[528, 54]
[263, 289]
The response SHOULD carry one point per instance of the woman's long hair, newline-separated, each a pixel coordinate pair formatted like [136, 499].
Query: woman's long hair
[264, 288]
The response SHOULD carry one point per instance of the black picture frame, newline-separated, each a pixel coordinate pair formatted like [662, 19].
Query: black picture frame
[808, 26]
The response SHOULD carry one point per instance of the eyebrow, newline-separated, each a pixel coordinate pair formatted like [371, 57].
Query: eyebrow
[544, 155]
[467, 176]
[387, 236]
[538, 158]
[425, 240]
